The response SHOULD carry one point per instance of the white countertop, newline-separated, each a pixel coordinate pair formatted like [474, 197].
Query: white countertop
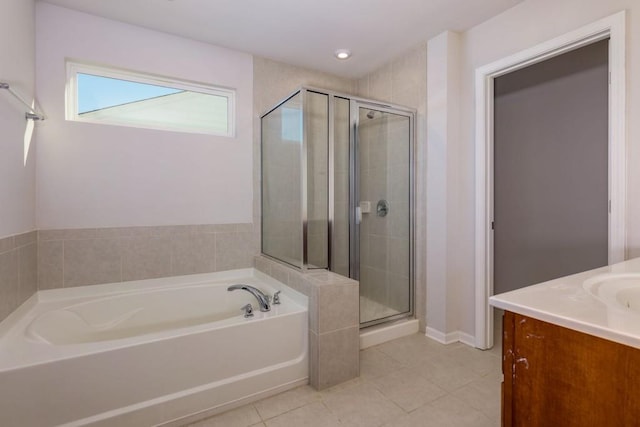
[566, 302]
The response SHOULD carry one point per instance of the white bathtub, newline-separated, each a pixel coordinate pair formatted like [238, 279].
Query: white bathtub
[150, 352]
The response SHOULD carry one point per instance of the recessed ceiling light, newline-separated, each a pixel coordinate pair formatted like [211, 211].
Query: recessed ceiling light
[343, 54]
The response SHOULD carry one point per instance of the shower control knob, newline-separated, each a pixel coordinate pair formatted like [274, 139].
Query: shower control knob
[382, 208]
[248, 310]
[276, 298]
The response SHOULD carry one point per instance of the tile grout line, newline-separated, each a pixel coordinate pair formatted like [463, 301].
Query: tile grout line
[120, 241]
[64, 284]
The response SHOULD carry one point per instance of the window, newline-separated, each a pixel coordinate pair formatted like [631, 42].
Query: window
[111, 96]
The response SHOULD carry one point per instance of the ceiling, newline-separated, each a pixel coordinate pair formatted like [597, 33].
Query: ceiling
[303, 32]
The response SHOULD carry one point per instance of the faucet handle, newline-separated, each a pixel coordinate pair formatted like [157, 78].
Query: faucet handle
[276, 298]
[248, 310]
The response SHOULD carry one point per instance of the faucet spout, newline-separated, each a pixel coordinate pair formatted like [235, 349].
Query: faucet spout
[263, 300]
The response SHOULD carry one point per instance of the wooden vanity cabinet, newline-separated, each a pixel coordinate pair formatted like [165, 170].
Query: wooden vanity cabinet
[558, 377]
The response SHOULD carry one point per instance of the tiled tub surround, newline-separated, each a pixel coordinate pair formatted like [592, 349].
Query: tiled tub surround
[18, 271]
[149, 352]
[334, 329]
[90, 256]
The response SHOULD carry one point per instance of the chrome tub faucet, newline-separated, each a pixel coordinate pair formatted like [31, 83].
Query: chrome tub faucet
[263, 300]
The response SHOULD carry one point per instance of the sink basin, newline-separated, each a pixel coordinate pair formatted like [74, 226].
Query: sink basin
[621, 295]
[630, 298]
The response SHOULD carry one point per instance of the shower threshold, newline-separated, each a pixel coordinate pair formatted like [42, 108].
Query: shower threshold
[378, 334]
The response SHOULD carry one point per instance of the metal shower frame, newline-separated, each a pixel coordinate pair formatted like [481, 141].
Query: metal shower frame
[354, 185]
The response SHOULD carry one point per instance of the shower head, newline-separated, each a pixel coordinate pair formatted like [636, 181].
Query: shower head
[371, 114]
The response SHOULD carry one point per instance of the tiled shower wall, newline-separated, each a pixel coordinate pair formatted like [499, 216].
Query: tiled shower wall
[282, 221]
[384, 174]
[92, 256]
[317, 183]
[273, 82]
[18, 278]
[403, 81]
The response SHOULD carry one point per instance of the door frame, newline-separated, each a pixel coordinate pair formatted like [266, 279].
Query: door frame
[612, 27]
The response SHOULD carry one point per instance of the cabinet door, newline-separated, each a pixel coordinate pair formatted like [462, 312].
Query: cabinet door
[555, 376]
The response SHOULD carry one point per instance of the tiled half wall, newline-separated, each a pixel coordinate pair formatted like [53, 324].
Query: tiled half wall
[334, 329]
[49, 259]
[92, 256]
[18, 278]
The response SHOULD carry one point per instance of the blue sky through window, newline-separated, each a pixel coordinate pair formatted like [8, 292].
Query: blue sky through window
[95, 92]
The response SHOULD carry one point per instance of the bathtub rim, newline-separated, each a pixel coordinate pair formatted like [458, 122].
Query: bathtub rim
[104, 289]
[14, 326]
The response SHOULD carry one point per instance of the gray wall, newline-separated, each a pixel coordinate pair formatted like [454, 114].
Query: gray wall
[551, 179]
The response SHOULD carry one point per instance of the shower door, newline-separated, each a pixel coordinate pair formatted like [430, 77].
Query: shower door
[381, 240]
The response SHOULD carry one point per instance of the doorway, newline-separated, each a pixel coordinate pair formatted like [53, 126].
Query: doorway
[612, 28]
[550, 165]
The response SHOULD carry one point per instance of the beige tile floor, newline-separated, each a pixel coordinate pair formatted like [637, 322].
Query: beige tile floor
[412, 381]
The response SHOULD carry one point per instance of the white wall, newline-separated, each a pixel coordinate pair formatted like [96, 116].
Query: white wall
[92, 175]
[523, 26]
[17, 67]
[442, 199]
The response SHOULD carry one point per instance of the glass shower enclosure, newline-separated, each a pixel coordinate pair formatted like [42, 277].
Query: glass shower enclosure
[337, 194]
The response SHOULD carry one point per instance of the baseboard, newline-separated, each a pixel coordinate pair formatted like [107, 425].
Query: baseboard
[467, 339]
[451, 337]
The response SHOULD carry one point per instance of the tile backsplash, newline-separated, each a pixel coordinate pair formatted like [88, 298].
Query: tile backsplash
[78, 257]
[18, 271]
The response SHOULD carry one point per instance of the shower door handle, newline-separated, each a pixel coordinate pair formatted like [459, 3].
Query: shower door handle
[358, 215]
